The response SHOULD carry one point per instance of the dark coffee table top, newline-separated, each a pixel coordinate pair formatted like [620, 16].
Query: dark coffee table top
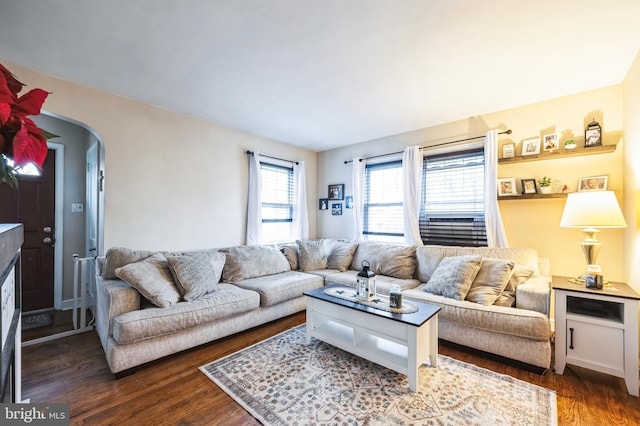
[424, 313]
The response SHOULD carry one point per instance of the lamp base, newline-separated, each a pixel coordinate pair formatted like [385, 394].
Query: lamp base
[590, 245]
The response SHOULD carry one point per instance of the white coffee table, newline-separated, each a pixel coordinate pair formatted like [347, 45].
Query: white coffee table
[400, 342]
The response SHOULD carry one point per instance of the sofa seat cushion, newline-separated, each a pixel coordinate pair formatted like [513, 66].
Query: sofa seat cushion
[499, 319]
[227, 300]
[323, 272]
[383, 282]
[277, 288]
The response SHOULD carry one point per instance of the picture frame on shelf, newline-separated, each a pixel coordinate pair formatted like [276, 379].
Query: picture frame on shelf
[508, 150]
[530, 146]
[506, 187]
[593, 134]
[551, 142]
[323, 204]
[593, 183]
[336, 192]
[336, 209]
[529, 186]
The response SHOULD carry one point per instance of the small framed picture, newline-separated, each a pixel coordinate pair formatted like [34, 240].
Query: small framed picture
[508, 150]
[506, 187]
[323, 204]
[336, 192]
[550, 142]
[529, 186]
[348, 202]
[531, 146]
[592, 183]
[593, 134]
[336, 209]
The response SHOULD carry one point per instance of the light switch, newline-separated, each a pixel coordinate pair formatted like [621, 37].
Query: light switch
[77, 208]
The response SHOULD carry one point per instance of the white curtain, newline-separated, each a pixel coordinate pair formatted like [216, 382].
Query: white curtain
[254, 202]
[300, 225]
[357, 183]
[412, 194]
[496, 237]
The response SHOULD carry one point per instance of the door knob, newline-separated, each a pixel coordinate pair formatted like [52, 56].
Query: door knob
[47, 229]
[47, 241]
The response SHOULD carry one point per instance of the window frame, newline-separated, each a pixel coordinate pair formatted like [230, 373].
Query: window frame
[367, 232]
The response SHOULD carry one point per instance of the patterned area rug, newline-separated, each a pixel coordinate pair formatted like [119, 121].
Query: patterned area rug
[282, 381]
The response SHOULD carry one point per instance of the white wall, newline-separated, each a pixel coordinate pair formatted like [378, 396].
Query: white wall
[528, 223]
[632, 174]
[172, 181]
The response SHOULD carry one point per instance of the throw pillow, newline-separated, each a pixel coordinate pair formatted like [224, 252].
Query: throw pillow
[312, 256]
[491, 280]
[244, 262]
[117, 257]
[341, 254]
[453, 276]
[290, 252]
[152, 278]
[520, 275]
[196, 274]
[507, 298]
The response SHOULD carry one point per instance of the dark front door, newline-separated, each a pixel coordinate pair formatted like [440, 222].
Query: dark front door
[33, 205]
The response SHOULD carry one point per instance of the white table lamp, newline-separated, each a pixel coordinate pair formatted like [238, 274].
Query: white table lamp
[591, 210]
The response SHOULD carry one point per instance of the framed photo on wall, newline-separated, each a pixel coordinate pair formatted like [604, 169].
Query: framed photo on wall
[336, 192]
[550, 142]
[348, 202]
[506, 187]
[336, 209]
[323, 204]
[529, 186]
[593, 183]
[531, 146]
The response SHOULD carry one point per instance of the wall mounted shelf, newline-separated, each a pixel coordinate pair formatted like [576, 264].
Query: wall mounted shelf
[531, 196]
[603, 149]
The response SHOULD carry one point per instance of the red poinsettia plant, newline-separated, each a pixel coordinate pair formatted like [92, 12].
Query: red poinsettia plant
[21, 141]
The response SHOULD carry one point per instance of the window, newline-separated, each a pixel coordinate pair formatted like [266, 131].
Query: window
[277, 202]
[452, 211]
[383, 216]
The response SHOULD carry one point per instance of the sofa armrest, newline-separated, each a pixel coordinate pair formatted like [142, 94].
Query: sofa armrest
[113, 298]
[534, 294]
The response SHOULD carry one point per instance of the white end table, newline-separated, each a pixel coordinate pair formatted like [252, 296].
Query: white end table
[597, 329]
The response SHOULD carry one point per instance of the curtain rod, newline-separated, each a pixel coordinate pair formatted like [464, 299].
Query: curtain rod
[273, 158]
[508, 132]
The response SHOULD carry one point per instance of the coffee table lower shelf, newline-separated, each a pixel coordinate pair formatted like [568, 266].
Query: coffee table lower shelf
[393, 344]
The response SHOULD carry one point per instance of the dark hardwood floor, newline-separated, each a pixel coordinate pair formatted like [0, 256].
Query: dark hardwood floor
[172, 391]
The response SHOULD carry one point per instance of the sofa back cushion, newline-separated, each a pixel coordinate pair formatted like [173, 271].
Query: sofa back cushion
[386, 259]
[244, 262]
[340, 254]
[313, 255]
[118, 257]
[429, 257]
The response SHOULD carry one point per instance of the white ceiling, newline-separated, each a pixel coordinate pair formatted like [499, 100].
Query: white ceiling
[323, 74]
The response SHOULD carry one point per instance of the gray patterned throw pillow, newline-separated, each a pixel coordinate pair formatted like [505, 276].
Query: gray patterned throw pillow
[196, 274]
[453, 276]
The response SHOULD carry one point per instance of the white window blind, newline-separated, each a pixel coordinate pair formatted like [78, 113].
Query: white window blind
[383, 215]
[277, 201]
[452, 211]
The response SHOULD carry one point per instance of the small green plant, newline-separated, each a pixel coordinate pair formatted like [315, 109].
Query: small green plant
[544, 181]
[570, 142]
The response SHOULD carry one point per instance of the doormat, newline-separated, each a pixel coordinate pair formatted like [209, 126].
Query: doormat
[284, 381]
[35, 320]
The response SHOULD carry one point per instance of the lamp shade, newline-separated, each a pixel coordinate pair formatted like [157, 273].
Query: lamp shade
[597, 209]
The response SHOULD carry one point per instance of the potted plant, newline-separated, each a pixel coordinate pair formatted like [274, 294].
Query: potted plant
[569, 144]
[545, 185]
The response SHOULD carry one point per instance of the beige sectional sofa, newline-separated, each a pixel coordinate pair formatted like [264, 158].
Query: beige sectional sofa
[150, 305]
